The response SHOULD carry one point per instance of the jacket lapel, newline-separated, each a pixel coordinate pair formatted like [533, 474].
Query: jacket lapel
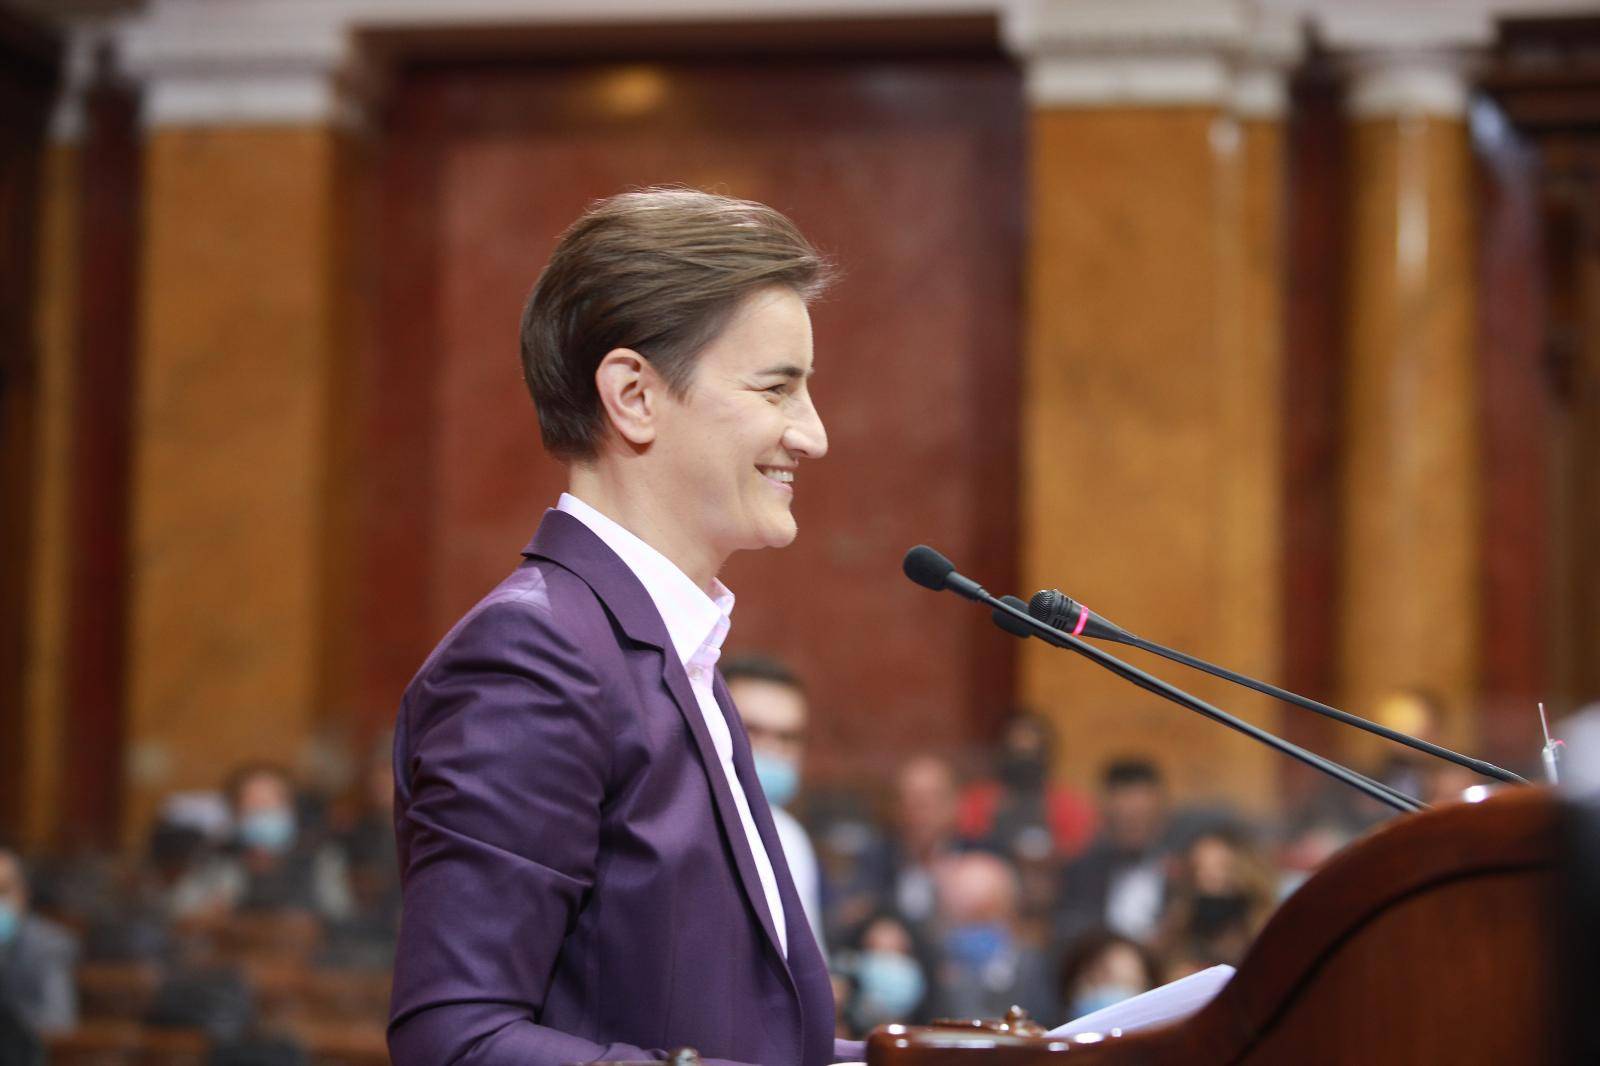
[565, 540]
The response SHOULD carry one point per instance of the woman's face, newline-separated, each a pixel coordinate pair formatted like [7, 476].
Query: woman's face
[886, 934]
[1119, 964]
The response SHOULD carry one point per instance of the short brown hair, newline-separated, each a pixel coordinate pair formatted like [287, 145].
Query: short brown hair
[659, 271]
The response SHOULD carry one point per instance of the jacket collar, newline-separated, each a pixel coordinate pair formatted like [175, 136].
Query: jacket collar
[565, 540]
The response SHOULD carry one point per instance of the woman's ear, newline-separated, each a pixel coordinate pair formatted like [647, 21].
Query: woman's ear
[630, 390]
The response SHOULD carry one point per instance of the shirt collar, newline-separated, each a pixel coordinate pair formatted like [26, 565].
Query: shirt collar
[696, 623]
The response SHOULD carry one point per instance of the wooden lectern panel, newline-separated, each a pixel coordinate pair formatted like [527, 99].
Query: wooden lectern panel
[1431, 941]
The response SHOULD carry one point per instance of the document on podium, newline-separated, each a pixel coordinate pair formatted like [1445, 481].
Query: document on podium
[1169, 1003]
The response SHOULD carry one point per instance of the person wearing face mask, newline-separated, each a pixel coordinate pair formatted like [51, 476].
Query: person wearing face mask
[269, 862]
[771, 703]
[1102, 968]
[987, 966]
[36, 957]
[1019, 811]
[1219, 896]
[890, 964]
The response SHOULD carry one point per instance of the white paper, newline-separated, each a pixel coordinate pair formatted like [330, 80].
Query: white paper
[1168, 1003]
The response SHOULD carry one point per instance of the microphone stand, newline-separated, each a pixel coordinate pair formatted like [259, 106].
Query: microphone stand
[1376, 790]
[1487, 769]
[933, 571]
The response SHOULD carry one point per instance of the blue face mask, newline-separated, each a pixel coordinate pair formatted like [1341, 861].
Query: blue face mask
[780, 778]
[1099, 997]
[10, 920]
[268, 830]
[891, 985]
[976, 946]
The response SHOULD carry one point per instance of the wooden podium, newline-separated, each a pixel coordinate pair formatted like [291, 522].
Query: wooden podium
[1431, 941]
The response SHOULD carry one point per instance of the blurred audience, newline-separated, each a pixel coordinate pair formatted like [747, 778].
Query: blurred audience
[1119, 881]
[922, 836]
[772, 704]
[364, 844]
[1101, 968]
[892, 972]
[258, 912]
[37, 956]
[987, 968]
[1020, 811]
[272, 862]
[1218, 895]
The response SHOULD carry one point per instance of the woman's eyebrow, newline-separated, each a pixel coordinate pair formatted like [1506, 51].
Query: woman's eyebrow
[786, 370]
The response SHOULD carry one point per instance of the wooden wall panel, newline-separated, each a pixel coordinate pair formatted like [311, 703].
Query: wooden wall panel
[28, 71]
[89, 807]
[1315, 232]
[49, 653]
[1517, 418]
[907, 172]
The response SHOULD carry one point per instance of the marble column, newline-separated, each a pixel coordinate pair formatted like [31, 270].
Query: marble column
[244, 302]
[1151, 444]
[1409, 597]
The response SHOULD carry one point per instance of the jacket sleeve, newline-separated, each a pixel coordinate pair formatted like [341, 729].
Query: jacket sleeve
[505, 755]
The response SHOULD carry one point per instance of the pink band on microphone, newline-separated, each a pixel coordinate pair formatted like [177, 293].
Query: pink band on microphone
[1083, 620]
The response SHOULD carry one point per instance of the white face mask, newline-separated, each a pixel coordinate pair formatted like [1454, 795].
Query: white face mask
[10, 921]
[1099, 997]
[891, 986]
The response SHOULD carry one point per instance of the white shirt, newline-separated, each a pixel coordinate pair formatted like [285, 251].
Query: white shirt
[802, 860]
[697, 624]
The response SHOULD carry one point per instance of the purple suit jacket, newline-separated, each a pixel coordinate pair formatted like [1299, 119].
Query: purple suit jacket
[577, 884]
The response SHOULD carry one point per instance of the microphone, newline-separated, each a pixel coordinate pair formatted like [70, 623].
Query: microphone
[1057, 609]
[933, 571]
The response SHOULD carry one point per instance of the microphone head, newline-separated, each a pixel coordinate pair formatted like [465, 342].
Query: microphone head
[927, 567]
[1010, 622]
[1054, 608]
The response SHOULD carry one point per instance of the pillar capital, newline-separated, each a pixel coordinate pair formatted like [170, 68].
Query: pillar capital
[1091, 53]
[238, 63]
[1407, 57]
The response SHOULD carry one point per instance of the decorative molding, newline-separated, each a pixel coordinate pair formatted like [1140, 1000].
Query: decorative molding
[1389, 84]
[1409, 57]
[1090, 53]
[298, 61]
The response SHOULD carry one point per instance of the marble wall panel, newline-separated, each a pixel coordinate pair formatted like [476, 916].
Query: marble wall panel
[1410, 578]
[232, 439]
[1150, 458]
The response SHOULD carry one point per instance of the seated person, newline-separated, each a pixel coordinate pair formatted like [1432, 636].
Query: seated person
[36, 957]
[987, 967]
[269, 863]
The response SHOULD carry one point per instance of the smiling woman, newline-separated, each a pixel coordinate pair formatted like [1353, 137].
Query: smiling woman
[658, 272]
[720, 459]
[580, 829]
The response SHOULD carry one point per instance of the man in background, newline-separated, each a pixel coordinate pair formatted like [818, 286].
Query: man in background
[772, 704]
[1118, 882]
[36, 957]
